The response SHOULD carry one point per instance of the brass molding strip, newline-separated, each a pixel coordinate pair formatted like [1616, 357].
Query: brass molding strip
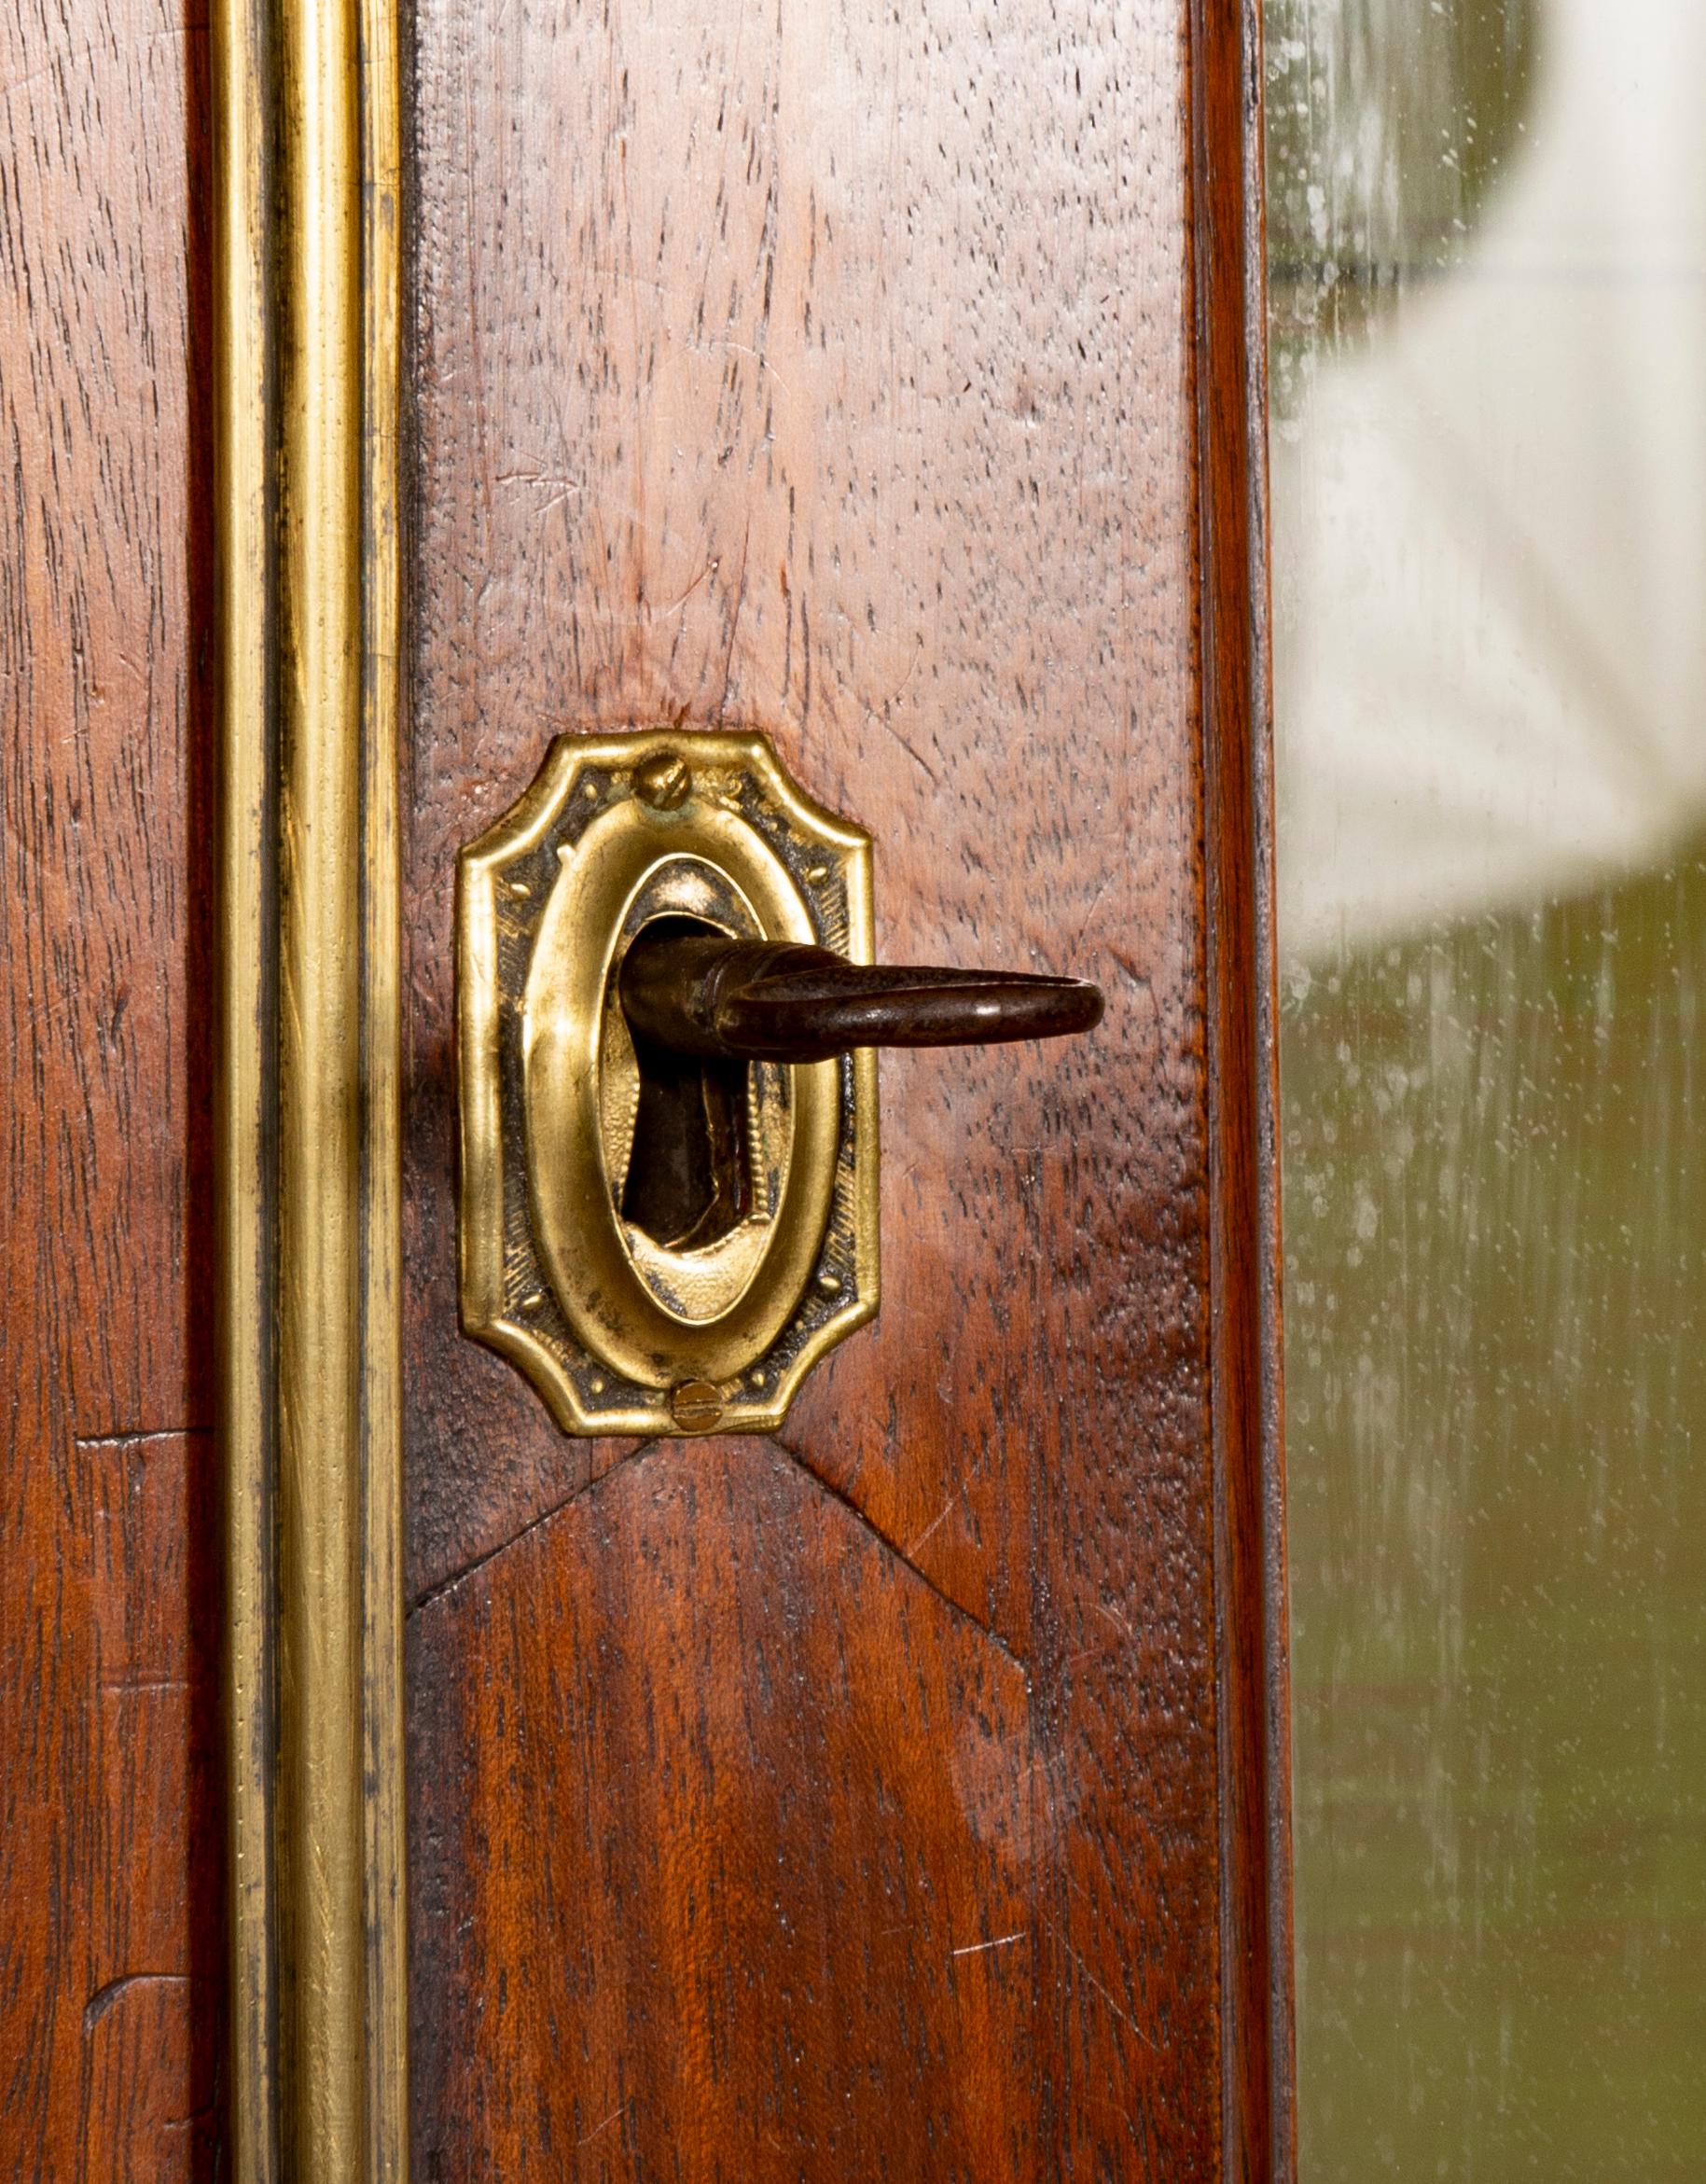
[308, 1160]
[243, 1121]
[385, 1930]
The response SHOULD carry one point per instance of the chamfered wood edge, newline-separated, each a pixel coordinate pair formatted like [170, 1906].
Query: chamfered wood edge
[307, 355]
[1253, 1723]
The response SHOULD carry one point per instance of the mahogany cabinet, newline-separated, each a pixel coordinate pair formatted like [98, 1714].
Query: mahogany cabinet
[897, 1791]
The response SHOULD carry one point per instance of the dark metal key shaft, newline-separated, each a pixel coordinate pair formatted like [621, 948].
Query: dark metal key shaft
[767, 1001]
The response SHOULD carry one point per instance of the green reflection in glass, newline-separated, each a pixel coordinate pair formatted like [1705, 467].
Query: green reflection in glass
[1495, 1222]
[1388, 127]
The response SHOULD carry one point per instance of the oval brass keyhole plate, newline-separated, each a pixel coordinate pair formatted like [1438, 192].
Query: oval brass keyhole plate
[660, 1246]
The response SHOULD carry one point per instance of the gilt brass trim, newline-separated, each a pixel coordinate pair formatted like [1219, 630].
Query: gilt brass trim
[385, 1927]
[611, 1327]
[242, 1111]
[308, 361]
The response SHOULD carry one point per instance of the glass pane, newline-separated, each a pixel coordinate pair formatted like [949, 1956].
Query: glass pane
[1487, 270]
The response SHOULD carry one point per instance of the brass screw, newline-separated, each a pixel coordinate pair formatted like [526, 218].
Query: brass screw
[665, 782]
[696, 1405]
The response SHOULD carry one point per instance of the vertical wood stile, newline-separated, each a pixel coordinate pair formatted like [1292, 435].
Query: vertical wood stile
[1252, 1693]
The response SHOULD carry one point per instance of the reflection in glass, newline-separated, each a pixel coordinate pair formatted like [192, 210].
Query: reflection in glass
[1488, 277]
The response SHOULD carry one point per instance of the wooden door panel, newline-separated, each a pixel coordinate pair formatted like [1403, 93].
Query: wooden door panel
[111, 1850]
[708, 1780]
[832, 370]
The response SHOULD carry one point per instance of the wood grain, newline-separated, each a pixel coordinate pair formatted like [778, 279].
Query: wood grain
[836, 370]
[110, 1840]
[668, 1738]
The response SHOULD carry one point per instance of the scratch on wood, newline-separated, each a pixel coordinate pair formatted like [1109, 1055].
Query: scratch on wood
[103, 1999]
[1001, 1942]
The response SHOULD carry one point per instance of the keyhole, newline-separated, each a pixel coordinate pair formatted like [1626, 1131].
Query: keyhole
[690, 1173]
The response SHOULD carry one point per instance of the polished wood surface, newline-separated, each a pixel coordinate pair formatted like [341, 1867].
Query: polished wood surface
[858, 1803]
[780, 1897]
[111, 1845]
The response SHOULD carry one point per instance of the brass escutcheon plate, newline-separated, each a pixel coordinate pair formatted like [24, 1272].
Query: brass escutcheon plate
[621, 1333]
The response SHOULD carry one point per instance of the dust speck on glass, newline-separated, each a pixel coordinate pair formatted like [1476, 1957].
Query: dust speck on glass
[1487, 350]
